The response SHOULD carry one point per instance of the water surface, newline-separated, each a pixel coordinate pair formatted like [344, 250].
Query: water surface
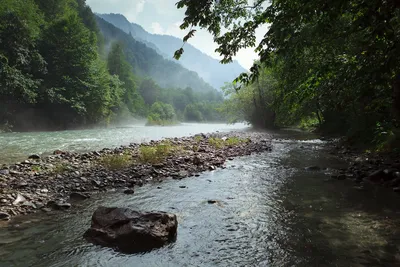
[18, 146]
[271, 212]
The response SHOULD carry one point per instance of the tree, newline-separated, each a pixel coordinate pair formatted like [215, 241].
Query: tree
[149, 90]
[161, 114]
[19, 57]
[118, 65]
[337, 60]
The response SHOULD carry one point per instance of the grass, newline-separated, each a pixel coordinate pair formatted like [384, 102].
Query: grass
[231, 141]
[157, 153]
[36, 168]
[198, 138]
[116, 161]
[61, 168]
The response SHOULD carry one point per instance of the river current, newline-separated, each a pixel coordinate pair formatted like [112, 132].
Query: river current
[270, 211]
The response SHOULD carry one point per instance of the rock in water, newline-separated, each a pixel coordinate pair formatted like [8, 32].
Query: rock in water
[131, 231]
[34, 156]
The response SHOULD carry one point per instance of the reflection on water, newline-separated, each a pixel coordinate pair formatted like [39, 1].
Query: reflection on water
[17, 146]
[272, 212]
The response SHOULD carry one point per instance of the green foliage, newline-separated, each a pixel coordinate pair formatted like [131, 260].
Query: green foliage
[254, 102]
[116, 161]
[337, 61]
[62, 68]
[223, 142]
[146, 62]
[161, 114]
[118, 65]
[51, 75]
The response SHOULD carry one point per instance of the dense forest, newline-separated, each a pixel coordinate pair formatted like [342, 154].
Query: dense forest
[63, 68]
[331, 65]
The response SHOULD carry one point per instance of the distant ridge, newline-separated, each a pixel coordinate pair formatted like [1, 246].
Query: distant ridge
[193, 59]
[146, 62]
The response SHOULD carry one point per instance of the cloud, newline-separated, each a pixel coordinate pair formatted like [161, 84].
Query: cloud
[140, 6]
[156, 28]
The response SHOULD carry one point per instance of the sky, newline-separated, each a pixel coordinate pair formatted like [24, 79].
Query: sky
[162, 17]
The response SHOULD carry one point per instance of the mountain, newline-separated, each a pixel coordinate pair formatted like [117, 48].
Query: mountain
[193, 59]
[146, 62]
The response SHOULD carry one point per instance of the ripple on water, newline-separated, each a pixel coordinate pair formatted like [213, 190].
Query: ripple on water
[268, 211]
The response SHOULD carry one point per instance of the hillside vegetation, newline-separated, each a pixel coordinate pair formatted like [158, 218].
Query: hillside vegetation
[62, 68]
[207, 67]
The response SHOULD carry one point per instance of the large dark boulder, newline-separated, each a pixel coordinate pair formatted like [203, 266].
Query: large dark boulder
[131, 231]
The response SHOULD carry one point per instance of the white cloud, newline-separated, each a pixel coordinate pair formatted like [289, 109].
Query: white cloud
[140, 5]
[157, 28]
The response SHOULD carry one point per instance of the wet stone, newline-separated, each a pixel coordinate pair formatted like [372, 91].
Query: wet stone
[4, 216]
[34, 156]
[76, 196]
[129, 191]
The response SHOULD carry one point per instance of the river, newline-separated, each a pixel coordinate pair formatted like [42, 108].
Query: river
[18, 146]
[270, 212]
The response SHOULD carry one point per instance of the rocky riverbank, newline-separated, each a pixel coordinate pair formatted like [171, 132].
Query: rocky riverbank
[56, 182]
[380, 169]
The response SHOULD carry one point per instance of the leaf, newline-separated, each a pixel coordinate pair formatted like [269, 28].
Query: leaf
[178, 53]
[189, 35]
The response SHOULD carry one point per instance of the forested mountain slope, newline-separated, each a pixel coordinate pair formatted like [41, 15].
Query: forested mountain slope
[207, 67]
[147, 62]
[61, 67]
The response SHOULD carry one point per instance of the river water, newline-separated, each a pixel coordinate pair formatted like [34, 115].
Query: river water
[18, 146]
[270, 212]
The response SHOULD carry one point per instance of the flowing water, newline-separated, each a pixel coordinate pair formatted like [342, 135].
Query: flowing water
[18, 146]
[270, 212]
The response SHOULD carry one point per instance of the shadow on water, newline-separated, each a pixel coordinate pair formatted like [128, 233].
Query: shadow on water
[270, 212]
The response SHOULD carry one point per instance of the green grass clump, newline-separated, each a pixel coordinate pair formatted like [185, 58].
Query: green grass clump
[156, 153]
[231, 141]
[116, 161]
[36, 168]
[198, 138]
[61, 168]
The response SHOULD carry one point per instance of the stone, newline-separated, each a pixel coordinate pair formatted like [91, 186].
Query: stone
[4, 216]
[19, 199]
[34, 156]
[58, 152]
[4, 172]
[22, 184]
[131, 231]
[313, 168]
[129, 191]
[58, 205]
[75, 196]
[379, 176]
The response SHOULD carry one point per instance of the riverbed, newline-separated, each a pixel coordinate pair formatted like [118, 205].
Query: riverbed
[18, 146]
[270, 211]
